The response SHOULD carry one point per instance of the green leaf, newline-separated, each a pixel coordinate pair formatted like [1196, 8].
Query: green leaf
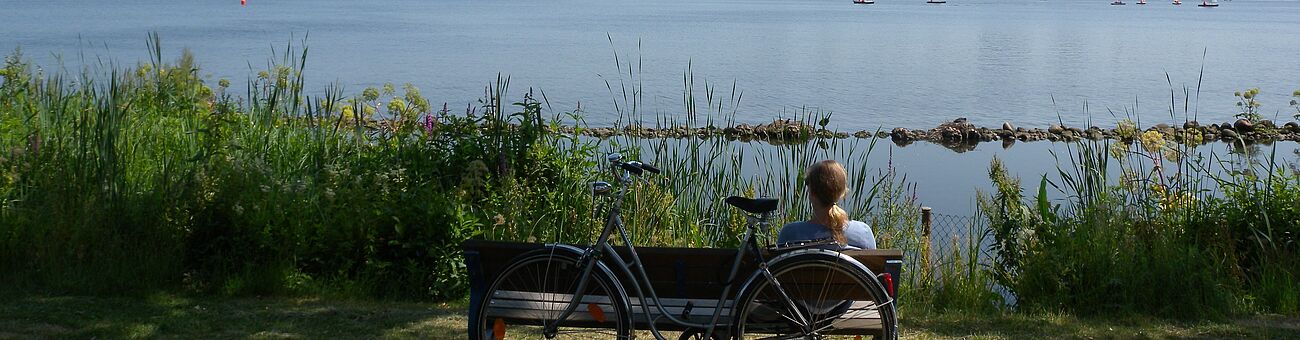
[1044, 207]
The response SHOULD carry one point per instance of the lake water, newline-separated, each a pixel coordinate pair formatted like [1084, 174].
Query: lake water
[895, 63]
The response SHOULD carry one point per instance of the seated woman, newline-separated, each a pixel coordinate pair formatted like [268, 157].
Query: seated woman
[827, 182]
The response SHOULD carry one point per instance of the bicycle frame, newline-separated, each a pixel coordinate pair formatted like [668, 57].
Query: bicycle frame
[614, 222]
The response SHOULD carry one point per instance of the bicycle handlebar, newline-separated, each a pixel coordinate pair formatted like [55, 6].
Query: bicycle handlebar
[634, 167]
[650, 168]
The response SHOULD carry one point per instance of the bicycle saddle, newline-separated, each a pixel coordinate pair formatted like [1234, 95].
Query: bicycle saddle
[753, 205]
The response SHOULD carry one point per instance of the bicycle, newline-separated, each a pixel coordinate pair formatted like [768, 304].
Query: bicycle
[807, 290]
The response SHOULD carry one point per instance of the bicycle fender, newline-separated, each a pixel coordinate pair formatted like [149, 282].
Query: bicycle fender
[828, 255]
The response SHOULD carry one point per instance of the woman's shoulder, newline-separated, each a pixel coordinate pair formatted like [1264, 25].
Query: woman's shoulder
[858, 224]
[860, 235]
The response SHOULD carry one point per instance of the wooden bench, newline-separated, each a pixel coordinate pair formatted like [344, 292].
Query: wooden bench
[680, 276]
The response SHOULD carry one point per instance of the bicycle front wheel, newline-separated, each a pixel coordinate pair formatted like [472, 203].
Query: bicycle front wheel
[536, 290]
[813, 298]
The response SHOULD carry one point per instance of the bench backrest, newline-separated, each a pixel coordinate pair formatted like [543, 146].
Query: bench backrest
[694, 273]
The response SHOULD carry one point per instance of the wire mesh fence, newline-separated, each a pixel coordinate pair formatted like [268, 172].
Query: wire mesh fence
[945, 246]
[948, 234]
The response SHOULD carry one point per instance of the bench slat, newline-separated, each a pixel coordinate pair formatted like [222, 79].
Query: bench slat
[530, 306]
[696, 273]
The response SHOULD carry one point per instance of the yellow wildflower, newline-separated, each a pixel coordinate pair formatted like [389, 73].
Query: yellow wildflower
[1118, 149]
[1173, 154]
[1153, 141]
[347, 113]
[369, 94]
[1169, 201]
[1126, 129]
[1193, 137]
[396, 105]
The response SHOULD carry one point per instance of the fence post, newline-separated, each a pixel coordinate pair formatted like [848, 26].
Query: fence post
[926, 220]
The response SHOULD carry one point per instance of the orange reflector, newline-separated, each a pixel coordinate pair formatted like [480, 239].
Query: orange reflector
[858, 337]
[596, 312]
[499, 329]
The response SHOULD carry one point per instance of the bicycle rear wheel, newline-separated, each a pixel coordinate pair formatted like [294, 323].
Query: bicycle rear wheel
[827, 299]
[535, 290]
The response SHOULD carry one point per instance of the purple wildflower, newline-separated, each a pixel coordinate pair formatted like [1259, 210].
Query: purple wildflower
[429, 123]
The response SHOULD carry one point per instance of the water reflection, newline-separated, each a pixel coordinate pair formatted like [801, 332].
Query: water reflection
[949, 180]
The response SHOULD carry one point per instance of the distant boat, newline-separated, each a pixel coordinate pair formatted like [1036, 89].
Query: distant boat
[1209, 3]
[1178, 2]
[1117, 3]
[1142, 2]
[864, 2]
[936, 1]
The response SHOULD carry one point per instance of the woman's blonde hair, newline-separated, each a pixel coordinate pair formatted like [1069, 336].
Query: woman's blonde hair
[828, 182]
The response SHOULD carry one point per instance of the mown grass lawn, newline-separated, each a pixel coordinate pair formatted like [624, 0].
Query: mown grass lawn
[179, 316]
[1055, 326]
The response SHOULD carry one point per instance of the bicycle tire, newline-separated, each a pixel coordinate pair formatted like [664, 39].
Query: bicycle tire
[827, 292]
[537, 286]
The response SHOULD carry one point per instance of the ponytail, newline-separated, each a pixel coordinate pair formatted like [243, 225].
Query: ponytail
[839, 222]
[828, 182]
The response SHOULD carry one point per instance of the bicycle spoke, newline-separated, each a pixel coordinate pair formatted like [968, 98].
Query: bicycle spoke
[536, 291]
[815, 298]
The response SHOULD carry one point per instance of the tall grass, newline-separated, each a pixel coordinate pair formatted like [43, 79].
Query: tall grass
[1171, 237]
[131, 179]
[150, 177]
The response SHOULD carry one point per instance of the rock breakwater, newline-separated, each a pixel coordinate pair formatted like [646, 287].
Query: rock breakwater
[961, 135]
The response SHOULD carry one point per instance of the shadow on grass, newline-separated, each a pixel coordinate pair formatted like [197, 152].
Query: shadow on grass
[179, 316]
[168, 315]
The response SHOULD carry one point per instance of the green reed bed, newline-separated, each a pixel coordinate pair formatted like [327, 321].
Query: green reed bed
[142, 178]
[1180, 233]
[123, 180]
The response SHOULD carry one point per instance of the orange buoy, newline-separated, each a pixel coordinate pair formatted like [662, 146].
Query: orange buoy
[243, 2]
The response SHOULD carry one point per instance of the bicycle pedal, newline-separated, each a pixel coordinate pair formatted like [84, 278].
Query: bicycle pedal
[686, 312]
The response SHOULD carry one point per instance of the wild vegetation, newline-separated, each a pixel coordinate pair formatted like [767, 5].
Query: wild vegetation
[133, 180]
[122, 181]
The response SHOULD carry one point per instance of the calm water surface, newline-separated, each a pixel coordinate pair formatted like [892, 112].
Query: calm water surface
[896, 63]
